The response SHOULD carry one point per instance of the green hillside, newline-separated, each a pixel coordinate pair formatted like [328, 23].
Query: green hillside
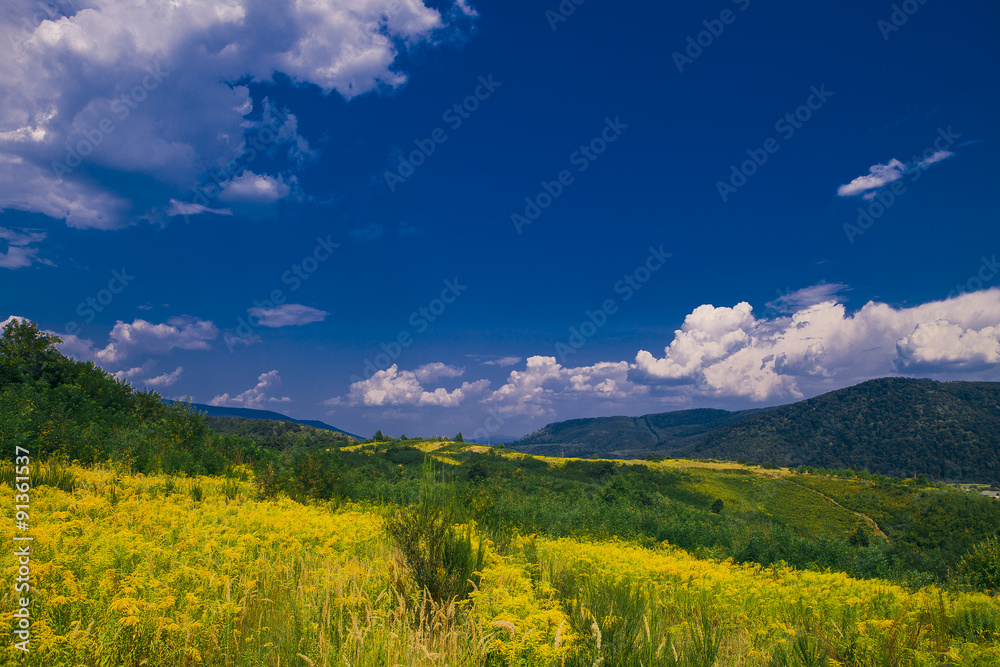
[620, 437]
[896, 426]
[900, 427]
[914, 532]
[278, 434]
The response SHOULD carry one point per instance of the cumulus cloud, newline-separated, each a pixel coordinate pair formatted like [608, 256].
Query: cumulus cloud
[436, 370]
[393, 387]
[253, 188]
[534, 391]
[257, 396]
[17, 248]
[134, 376]
[143, 338]
[942, 344]
[880, 175]
[727, 352]
[159, 89]
[287, 315]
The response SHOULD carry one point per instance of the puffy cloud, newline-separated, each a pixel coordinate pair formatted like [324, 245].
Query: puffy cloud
[254, 188]
[436, 370]
[148, 88]
[134, 376]
[166, 379]
[257, 396]
[142, 337]
[942, 344]
[288, 315]
[395, 387]
[534, 391]
[727, 352]
[16, 251]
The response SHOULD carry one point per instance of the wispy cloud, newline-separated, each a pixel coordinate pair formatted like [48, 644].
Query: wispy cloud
[288, 315]
[880, 175]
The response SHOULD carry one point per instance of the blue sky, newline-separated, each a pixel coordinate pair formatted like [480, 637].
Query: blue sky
[488, 216]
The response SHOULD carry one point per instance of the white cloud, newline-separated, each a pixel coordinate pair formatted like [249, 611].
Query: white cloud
[727, 352]
[253, 188]
[187, 208]
[936, 157]
[16, 251]
[880, 175]
[147, 88]
[534, 391]
[142, 337]
[807, 296]
[502, 361]
[165, 380]
[256, 397]
[287, 315]
[395, 387]
[942, 344]
[436, 370]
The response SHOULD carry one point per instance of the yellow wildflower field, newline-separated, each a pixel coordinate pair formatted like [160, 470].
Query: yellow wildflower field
[159, 570]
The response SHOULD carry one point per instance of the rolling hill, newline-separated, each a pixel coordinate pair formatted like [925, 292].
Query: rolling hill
[894, 426]
[246, 413]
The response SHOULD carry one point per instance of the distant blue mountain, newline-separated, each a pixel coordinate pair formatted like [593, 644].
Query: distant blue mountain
[247, 413]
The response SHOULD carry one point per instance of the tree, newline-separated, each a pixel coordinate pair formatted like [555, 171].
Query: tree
[459, 438]
[717, 506]
[379, 436]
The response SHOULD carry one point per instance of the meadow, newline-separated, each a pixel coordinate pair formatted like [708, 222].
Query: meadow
[132, 569]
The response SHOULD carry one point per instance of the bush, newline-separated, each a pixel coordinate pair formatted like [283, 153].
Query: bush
[441, 557]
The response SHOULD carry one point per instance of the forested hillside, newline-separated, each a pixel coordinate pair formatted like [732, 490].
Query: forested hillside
[896, 426]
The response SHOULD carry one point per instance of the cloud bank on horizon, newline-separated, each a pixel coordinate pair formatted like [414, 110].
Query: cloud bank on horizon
[724, 354]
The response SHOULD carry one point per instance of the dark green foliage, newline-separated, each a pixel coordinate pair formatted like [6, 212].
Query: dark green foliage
[441, 557]
[896, 426]
[459, 437]
[982, 564]
[716, 506]
[279, 435]
[74, 411]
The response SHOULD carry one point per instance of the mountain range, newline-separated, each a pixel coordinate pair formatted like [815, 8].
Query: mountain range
[900, 427]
